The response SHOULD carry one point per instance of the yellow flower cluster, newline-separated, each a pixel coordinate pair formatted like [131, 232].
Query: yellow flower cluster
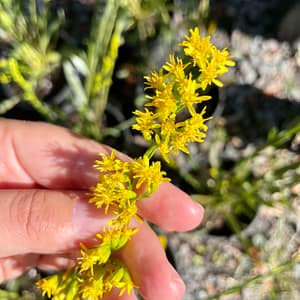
[211, 61]
[72, 285]
[178, 87]
[181, 86]
[121, 184]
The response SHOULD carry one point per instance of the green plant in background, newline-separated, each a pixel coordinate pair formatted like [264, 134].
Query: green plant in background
[97, 65]
[274, 274]
[30, 30]
[178, 86]
[236, 193]
[30, 58]
[97, 62]
[261, 180]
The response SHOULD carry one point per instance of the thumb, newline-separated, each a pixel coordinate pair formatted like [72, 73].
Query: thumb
[46, 221]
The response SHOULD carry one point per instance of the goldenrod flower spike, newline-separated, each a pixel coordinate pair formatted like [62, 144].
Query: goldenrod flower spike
[179, 86]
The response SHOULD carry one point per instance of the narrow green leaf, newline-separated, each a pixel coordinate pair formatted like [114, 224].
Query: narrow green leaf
[80, 99]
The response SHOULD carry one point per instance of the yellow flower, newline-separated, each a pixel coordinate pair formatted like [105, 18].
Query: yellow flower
[92, 289]
[115, 280]
[149, 175]
[146, 123]
[112, 190]
[61, 286]
[196, 122]
[177, 86]
[222, 59]
[50, 285]
[168, 126]
[124, 212]
[104, 196]
[155, 81]
[112, 274]
[189, 96]
[116, 237]
[164, 101]
[179, 143]
[197, 47]
[211, 61]
[128, 283]
[90, 257]
[175, 67]
[193, 130]
[209, 75]
[118, 277]
[109, 163]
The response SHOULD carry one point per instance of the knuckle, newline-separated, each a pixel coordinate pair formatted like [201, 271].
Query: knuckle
[30, 214]
[34, 217]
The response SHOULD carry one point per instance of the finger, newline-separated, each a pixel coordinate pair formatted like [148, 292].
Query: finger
[150, 268]
[46, 221]
[171, 209]
[39, 154]
[56, 262]
[13, 266]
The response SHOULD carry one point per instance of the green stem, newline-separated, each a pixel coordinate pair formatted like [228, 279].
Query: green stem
[101, 101]
[99, 41]
[236, 228]
[257, 279]
[190, 179]
[151, 151]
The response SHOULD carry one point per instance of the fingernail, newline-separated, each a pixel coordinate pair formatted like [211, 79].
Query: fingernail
[197, 210]
[170, 287]
[177, 287]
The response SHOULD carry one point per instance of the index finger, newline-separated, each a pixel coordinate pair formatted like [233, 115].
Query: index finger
[39, 154]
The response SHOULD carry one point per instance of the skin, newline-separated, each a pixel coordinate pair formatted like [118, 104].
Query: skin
[45, 173]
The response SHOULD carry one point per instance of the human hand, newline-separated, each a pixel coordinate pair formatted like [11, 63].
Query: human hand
[45, 172]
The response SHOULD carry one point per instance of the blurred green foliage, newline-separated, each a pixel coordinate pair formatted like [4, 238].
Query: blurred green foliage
[34, 54]
[29, 56]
